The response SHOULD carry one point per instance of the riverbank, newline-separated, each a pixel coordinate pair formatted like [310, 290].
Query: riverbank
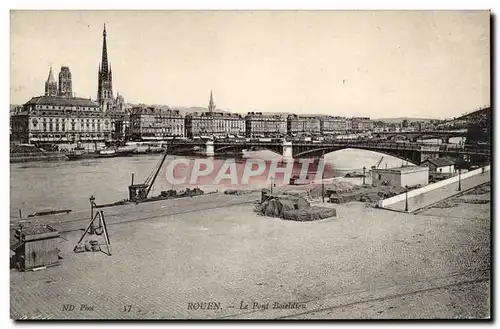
[33, 157]
[364, 263]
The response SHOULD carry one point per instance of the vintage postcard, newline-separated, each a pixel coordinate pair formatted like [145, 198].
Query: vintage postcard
[250, 165]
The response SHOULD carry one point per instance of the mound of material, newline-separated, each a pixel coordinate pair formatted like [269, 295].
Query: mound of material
[336, 186]
[309, 214]
[236, 192]
[275, 206]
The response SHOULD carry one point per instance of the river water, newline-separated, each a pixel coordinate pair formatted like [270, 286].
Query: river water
[39, 186]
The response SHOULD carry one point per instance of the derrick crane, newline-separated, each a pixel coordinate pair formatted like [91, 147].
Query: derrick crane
[379, 162]
[140, 192]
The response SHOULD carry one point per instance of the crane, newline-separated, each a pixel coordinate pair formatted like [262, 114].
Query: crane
[140, 192]
[379, 162]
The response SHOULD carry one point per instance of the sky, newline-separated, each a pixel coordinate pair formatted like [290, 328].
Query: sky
[380, 64]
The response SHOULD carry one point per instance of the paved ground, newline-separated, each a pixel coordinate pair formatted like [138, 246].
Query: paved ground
[366, 263]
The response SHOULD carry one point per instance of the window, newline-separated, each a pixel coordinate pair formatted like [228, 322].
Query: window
[379, 177]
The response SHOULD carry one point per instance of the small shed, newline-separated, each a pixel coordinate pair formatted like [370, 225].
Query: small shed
[401, 176]
[443, 165]
[36, 246]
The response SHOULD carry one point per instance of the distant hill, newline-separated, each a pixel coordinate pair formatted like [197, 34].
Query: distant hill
[400, 120]
[482, 116]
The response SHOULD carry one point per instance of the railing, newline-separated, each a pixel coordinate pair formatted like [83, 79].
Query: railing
[353, 144]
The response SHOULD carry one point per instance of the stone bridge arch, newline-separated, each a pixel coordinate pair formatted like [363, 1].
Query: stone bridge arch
[278, 149]
[411, 156]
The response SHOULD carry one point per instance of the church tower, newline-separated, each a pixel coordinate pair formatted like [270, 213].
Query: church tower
[105, 78]
[50, 85]
[211, 104]
[65, 84]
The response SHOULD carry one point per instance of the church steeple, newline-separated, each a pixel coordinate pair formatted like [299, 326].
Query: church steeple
[50, 85]
[211, 104]
[104, 61]
[105, 79]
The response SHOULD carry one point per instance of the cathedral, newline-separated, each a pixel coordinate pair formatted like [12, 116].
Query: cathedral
[64, 89]
[105, 96]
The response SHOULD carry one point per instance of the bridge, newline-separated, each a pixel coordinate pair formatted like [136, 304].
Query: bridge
[413, 136]
[411, 152]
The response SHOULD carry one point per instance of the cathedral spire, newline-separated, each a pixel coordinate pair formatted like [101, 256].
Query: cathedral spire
[211, 104]
[104, 61]
[50, 78]
[105, 79]
[50, 85]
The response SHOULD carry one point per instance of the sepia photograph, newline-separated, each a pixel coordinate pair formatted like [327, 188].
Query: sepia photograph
[250, 164]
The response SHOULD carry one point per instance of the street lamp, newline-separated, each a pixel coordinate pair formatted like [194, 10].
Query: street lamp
[323, 179]
[459, 179]
[364, 177]
[406, 199]
[92, 199]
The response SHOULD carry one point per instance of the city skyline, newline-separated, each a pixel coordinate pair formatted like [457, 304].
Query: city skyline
[428, 83]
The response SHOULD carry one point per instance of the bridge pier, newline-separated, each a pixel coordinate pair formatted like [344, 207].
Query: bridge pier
[287, 150]
[210, 152]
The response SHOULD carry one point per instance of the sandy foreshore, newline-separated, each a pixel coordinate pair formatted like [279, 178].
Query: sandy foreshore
[364, 263]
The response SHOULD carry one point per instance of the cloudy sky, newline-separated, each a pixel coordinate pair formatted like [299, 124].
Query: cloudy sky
[363, 63]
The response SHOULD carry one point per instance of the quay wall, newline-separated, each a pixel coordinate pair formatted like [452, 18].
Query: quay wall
[28, 157]
[432, 193]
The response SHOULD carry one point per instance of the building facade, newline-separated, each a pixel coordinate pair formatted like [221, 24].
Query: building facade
[333, 125]
[361, 124]
[214, 123]
[401, 176]
[149, 123]
[52, 119]
[303, 125]
[218, 124]
[261, 125]
[440, 165]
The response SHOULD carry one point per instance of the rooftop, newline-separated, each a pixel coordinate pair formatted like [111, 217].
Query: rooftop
[441, 162]
[61, 101]
[154, 111]
[403, 169]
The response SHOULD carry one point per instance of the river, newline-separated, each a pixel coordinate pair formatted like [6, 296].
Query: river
[39, 186]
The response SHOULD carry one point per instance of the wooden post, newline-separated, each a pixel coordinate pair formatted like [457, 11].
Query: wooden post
[20, 214]
[132, 179]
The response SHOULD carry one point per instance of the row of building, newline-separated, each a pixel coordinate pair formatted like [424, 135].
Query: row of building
[60, 117]
[72, 119]
[154, 123]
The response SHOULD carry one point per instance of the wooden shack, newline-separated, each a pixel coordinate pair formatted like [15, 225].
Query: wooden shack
[36, 247]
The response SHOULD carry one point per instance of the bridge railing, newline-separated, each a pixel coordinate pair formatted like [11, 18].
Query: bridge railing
[415, 146]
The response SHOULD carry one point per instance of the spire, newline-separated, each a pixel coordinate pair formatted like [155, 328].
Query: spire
[211, 104]
[50, 78]
[104, 60]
